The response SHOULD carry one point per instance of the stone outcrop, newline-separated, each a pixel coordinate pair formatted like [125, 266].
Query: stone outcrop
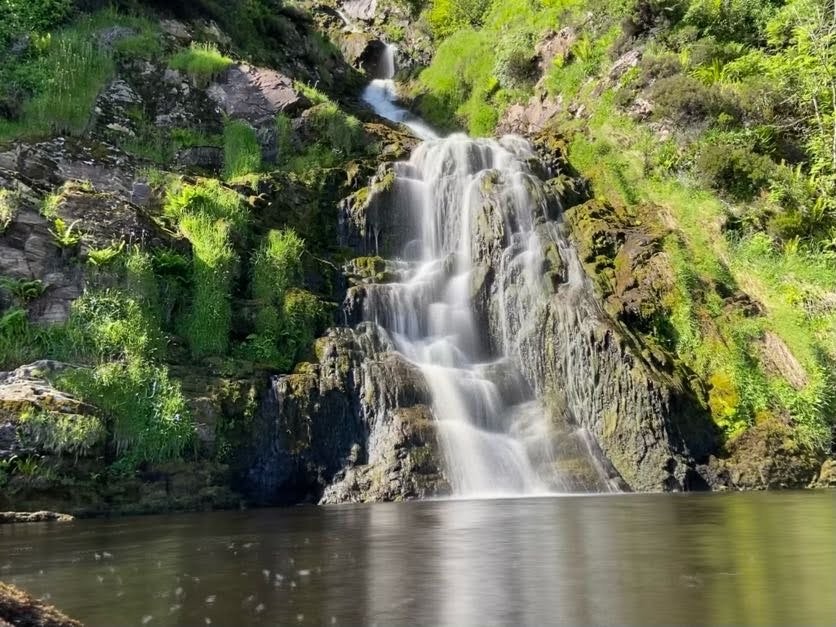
[355, 426]
[256, 94]
[7, 518]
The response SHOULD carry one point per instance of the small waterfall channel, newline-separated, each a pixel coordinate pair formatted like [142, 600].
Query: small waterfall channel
[497, 438]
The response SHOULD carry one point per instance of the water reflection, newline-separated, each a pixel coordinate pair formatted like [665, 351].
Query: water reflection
[649, 559]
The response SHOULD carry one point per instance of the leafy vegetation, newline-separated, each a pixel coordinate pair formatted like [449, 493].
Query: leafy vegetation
[202, 61]
[745, 177]
[51, 86]
[242, 152]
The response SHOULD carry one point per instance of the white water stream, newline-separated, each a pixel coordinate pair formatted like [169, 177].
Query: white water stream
[492, 446]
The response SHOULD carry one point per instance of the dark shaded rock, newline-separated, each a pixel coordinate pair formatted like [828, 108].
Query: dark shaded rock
[206, 158]
[353, 427]
[765, 456]
[22, 610]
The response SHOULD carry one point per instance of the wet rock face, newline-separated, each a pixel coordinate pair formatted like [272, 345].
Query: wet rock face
[353, 427]
[767, 457]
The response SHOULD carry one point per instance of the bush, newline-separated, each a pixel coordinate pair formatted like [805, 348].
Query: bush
[448, 16]
[516, 63]
[61, 434]
[210, 198]
[111, 325]
[20, 17]
[213, 259]
[284, 139]
[150, 417]
[74, 71]
[731, 20]
[733, 169]
[686, 100]
[276, 266]
[242, 152]
[336, 129]
[203, 61]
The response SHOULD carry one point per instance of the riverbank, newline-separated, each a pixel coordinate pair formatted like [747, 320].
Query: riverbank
[18, 609]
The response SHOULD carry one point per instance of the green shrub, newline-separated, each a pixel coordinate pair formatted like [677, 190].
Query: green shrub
[210, 198]
[141, 282]
[733, 169]
[516, 62]
[302, 315]
[242, 152]
[275, 267]
[62, 434]
[685, 99]
[20, 17]
[203, 61]
[284, 138]
[111, 325]
[75, 70]
[213, 258]
[336, 129]
[150, 417]
[730, 20]
[448, 16]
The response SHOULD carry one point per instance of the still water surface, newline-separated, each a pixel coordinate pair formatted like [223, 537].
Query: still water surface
[647, 559]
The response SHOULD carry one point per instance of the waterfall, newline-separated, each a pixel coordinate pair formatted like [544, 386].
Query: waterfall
[471, 199]
[380, 94]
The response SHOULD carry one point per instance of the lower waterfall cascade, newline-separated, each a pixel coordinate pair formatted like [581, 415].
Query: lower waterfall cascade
[497, 440]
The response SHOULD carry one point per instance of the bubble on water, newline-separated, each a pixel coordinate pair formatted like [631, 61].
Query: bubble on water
[107, 555]
[100, 578]
[211, 599]
[119, 594]
[307, 540]
[7, 566]
[300, 617]
[333, 620]
[46, 597]
[111, 569]
[292, 584]
[259, 608]
[174, 608]
[279, 577]
[266, 573]
[147, 619]
[97, 556]
[304, 572]
[248, 601]
[178, 592]
[230, 546]
[247, 545]
[207, 620]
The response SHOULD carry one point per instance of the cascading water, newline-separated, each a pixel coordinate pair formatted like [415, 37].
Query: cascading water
[496, 440]
[381, 94]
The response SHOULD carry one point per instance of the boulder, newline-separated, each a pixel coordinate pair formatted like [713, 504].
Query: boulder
[364, 10]
[256, 94]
